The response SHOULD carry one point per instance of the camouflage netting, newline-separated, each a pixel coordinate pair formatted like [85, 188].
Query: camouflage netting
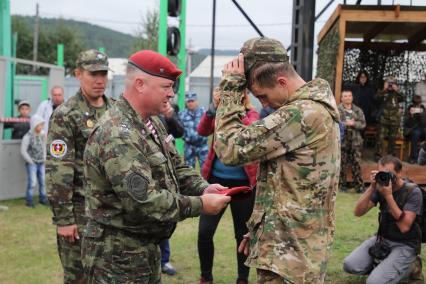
[407, 67]
[327, 56]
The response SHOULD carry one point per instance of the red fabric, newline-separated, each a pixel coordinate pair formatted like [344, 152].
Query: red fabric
[155, 64]
[206, 128]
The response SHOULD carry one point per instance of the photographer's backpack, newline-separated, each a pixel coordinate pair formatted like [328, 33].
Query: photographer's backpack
[421, 220]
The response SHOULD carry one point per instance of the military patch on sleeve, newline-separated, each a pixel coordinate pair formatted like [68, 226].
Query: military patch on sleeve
[137, 186]
[58, 148]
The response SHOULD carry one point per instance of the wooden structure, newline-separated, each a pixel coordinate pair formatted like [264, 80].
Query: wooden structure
[401, 28]
[415, 173]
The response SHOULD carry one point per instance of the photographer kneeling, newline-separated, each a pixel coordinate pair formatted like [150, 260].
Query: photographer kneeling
[388, 257]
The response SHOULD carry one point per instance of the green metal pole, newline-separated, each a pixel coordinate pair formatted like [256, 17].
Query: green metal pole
[162, 28]
[44, 90]
[13, 68]
[60, 58]
[182, 65]
[6, 50]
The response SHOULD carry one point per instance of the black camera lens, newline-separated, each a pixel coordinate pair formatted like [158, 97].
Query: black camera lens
[383, 178]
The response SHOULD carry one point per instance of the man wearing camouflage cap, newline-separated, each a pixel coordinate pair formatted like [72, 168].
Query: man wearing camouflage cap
[292, 225]
[137, 185]
[69, 128]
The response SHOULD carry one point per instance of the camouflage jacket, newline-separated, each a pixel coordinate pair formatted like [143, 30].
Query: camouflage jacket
[69, 128]
[136, 182]
[352, 137]
[190, 120]
[298, 146]
[389, 107]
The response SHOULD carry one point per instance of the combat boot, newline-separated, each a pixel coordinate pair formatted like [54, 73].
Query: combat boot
[416, 274]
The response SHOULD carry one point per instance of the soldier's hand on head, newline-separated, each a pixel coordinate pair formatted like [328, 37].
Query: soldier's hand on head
[244, 246]
[214, 203]
[214, 188]
[235, 66]
[69, 233]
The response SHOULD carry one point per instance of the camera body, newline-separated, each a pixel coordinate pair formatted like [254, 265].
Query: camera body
[379, 251]
[383, 178]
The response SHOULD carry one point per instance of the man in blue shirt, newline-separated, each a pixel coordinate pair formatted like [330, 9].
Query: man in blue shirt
[195, 144]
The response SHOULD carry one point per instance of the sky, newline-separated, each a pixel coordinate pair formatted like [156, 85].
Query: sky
[273, 17]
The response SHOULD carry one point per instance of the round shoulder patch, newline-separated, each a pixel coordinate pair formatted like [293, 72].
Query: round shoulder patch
[58, 148]
[137, 186]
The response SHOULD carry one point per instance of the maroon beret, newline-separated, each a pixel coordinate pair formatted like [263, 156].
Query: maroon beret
[155, 64]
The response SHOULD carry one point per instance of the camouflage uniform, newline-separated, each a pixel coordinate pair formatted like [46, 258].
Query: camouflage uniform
[195, 144]
[293, 220]
[292, 224]
[135, 193]
[69, 128]
[389, 120]
[352, 145]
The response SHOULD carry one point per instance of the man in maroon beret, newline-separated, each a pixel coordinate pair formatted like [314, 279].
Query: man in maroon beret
[138, 187]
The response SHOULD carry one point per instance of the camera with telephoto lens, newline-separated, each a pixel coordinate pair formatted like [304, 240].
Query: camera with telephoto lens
[383, 178]
[379, 251]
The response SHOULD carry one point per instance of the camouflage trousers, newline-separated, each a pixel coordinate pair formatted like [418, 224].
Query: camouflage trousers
[351, 157]
[70, 253]
[389, 132]
[192, 152]
[269, 277]
[110, 256]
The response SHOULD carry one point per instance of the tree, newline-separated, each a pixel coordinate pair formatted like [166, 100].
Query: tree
[147, 32]
[49, 38]
[72, 46]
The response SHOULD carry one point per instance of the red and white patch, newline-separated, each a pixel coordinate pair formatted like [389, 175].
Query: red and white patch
[58, 148]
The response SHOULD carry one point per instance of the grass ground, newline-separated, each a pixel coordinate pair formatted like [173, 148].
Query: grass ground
[28, 246]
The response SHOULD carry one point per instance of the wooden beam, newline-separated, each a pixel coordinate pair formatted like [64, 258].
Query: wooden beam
[375, 30]
[383, 16]
[340, 59]
[329, 24]
[384, 46]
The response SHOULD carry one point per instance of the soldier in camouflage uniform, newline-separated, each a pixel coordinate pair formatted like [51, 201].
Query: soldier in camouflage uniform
[292, 225]
[69, 128]
[353, 119]
[389, 118]
[195, 144]
[137, 186]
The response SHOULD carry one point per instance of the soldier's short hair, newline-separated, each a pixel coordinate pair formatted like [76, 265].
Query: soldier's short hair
[265, 74]
[346, 89]
[389, 159]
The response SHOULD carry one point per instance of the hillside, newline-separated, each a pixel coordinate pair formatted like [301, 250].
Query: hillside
[116, 44]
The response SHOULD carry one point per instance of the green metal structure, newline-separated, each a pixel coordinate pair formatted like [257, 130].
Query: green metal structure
[181, 57]
[60, 58]
[6, 50]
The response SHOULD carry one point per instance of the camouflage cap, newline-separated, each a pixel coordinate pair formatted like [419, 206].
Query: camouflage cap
[262, 49]
[92, 60]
